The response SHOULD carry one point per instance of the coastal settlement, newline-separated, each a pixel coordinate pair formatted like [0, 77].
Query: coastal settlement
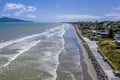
[102, 41]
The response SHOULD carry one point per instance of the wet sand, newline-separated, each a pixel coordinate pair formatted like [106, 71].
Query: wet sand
[87, 61]
[68, 69]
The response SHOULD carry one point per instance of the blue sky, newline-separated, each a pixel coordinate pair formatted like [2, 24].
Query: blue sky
[61, 10]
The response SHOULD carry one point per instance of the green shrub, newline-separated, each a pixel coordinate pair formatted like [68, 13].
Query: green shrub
[108, 49]
[87, 35]
[117, 51]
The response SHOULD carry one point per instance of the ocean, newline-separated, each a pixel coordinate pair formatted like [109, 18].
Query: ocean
[39, 51]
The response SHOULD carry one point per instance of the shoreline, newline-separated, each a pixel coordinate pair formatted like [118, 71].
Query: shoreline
[86, 61]
[69, 68]
[72, 64]
[102, 68]
[97, 68]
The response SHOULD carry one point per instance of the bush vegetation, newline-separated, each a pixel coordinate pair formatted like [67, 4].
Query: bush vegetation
[86, 34]
[108, 48]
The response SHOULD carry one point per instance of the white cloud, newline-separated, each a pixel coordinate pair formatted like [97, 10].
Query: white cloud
[18, 13]
[79, 17]
[31, 9]
[113, 15]
[13, 6]
[18, 9]
[116, 8]
[31, 16]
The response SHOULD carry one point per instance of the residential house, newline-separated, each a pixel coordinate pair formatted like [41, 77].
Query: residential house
[117, 40]
[99, 34]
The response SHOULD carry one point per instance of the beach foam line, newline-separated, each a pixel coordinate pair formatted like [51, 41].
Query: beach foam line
[21, 52]
[60, 31]
[50, 31]
[7, 43]
[55, 73]
[47, 32]
[63, 48]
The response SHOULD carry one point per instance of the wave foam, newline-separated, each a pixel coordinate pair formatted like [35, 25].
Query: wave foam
[21, 52]
[48, 33]
[23, 45]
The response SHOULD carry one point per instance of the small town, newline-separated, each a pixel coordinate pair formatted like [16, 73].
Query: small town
[103, 40]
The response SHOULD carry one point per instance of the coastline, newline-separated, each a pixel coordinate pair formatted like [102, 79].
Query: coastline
[102, 68]
[100, 74]
[90, 68]
[72, 65]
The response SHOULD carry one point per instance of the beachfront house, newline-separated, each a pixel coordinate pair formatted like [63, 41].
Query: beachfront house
[94, 34]
[104, 34]
[98, 34]
[116, 73]
[117, 40]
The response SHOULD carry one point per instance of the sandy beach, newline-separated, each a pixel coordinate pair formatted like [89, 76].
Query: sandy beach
[74, 65]
[87, 61]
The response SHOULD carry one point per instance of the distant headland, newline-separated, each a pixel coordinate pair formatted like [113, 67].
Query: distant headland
[7, 19]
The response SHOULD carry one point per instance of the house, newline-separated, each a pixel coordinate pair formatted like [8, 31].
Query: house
[104, 34]
[117, 40]
[98, 34]
[93, 34]
[116, 73]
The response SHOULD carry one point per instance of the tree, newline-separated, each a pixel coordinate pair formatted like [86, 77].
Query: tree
[111, 35]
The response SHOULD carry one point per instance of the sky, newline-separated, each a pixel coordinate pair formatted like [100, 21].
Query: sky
[61, 10]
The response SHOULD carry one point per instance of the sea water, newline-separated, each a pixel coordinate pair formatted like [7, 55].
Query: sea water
[38, 51]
